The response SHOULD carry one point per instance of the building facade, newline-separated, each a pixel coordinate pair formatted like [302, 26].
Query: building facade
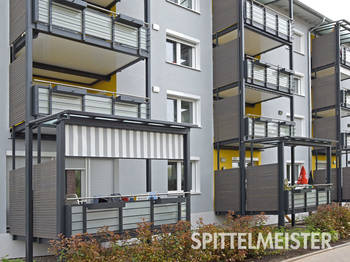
[138, 140]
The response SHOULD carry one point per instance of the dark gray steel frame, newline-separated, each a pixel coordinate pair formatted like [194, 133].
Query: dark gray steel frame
[32, 30]
[242, 25]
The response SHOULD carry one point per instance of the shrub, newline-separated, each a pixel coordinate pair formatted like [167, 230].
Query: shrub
[170, 243]
[332, 218]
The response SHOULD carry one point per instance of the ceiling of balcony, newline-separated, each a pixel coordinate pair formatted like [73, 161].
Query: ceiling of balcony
[255, 43]
[103, 3]
[93, 62]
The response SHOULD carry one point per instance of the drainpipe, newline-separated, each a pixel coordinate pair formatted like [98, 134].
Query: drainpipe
[312, 29]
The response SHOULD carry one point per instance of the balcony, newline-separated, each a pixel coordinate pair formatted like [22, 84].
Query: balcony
[123, 213]
[345, 55]
[268, 20]
[346, 140]
[260, 127]
[51, 98]
[90, 23]
[268, 76]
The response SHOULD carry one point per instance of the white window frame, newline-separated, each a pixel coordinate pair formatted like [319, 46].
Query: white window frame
[180, 38]
[195, 3]
[195, 161]
[298, 164]
[302, 90]
[194, 99]
[303, 125]
[302, 41]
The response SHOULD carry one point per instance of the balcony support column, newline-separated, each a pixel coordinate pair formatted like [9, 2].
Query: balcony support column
[242, 145]
[328, 171]
[281, 202]
[187, 174]
[60, 177]
[148, 73]
[292, 153]
[29, 135]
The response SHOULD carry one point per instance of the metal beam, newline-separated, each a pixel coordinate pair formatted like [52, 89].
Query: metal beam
[60, 178]
[71, 71]
[29, 135]
[242, 146]
[281, 207]
[187, 174]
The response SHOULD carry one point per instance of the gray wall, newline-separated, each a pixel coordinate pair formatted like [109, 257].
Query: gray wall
[280, 57]
[172, 77]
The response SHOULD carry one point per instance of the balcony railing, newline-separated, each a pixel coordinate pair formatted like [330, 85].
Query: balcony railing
[51, 98]
[346, 139]
[93, 21]
[312, 196]
[259, 127]
[345, 98]
[345, 55]
[268, 76]
[267, 19]
[120, 213]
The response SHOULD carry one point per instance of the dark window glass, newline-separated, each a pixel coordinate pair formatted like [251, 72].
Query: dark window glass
[172, 176]
[171, 51]
[186, 55]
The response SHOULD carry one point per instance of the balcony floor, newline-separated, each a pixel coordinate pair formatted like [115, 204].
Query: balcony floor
[64, 53]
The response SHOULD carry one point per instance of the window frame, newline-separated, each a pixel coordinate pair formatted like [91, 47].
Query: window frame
[303, 126]
[302, 84]
[182, 39]
[302, 42]
[195, 161]
[195, 4]
[196, 105]
[298, 165]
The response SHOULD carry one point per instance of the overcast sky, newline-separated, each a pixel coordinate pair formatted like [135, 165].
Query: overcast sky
[334, 9]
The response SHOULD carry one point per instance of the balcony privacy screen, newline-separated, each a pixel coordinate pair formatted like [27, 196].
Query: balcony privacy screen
[83, 141]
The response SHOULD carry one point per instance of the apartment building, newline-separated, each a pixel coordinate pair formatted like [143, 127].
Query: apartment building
[262, 109]
[107, 104]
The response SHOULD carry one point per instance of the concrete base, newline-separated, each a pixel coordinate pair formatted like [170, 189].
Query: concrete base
[16, 248]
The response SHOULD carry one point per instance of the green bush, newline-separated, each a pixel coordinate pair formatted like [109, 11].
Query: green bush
[334, 219]
[171, 243]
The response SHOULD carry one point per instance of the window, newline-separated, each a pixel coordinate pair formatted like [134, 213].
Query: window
[297, 168]
[299, 125]
[74, 183]
[190, 4]
[298, 42]
[176, 180]
[298, 84]
[183, 108]
[235, 162]
[182, 50]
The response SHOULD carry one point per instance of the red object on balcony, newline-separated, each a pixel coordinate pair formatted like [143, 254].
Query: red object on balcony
[302, 180]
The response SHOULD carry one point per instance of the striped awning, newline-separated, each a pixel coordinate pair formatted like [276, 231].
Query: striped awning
[85, 141]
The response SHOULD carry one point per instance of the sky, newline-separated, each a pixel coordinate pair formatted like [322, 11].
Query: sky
[334, 9]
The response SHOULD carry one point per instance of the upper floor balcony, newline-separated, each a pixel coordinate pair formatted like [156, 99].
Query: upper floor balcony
[84, 22]
[265, 28]
[51, 98]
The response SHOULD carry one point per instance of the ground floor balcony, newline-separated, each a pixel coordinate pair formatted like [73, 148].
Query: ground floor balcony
[123, 213]
[100, 176]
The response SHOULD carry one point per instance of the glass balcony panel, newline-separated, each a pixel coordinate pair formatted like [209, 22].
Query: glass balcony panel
[98, 25]
[272, 77]
[258, 15]
[127, 110]
[272, 129]
[249, 10]
[283, 26]
[271, 20]
[285, 130]
[100, 105]
[62, 102]
[260, 129]
[259, 74]
[44, 101]
[284, 82]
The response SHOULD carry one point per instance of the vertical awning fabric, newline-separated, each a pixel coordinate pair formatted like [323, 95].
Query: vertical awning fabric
[85, 141]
